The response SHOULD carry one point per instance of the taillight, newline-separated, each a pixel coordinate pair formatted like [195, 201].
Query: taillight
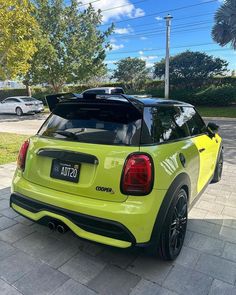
[22, 155]
[138, 175]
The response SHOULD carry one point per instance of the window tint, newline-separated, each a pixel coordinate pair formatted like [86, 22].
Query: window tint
[11, 100]
[96, 91]
[193, 120]
[163, 124]
[117, 91]
[116, 124]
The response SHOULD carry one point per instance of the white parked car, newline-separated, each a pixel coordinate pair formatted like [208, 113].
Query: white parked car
[21, 105]
[105, 90]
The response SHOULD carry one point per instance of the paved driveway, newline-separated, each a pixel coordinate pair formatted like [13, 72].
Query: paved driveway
[36, 261]
[27, 124]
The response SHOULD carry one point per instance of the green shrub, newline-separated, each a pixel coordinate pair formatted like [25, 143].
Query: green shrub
[216, 96]
[4, 93]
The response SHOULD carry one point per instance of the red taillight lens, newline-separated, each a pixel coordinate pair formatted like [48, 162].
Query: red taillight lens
[137, 178]
[22, 155]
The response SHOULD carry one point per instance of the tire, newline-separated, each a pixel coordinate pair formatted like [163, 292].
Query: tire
[174, 229]
[219, 168]
[19, 111]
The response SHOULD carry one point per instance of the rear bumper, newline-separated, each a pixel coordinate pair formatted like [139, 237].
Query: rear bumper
[41, 212]
[111, 223]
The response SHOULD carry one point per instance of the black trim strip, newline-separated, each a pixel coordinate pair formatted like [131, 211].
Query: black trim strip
[100, 226]
[68, 156]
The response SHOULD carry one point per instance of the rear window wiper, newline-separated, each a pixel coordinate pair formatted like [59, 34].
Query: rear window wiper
[67, 134]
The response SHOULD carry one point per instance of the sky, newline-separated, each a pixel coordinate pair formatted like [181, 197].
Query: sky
[140, 28]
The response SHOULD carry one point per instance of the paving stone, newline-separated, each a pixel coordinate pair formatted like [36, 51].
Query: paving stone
[118, 257]
[203, 227]
[4, 204]
[151, 268]
[41, 281]
[83, 267]
[188, 237]
[150, 288]
[221, 288]
[23, 220]
[6, 250]
[9, 212]
[6, 289]
[217, 268]
[90, 247]
[230, 251]
[228, 234]
[47, 248]
[210, 206]
[6, 222]
[197, 213]
[186, 281]
[15, 233]
[206, 244]
[114, 281]
[71, 287]
[188, 257]
[17, 265]
[229, 211]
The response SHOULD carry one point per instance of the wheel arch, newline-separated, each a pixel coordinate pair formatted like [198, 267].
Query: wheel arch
[181, 181]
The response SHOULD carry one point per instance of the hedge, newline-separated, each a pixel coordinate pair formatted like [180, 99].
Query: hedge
[221, 92]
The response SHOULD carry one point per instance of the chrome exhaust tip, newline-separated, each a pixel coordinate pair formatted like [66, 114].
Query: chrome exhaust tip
[61, 229]
[51, 226]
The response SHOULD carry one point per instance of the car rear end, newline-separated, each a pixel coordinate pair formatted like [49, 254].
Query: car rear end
[31, 105]
[84, 170]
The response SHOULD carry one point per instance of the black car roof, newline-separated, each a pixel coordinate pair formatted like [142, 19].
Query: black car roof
[137, 101]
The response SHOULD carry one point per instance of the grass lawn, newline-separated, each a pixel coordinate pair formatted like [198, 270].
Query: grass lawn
[9, 146]
[229, 112]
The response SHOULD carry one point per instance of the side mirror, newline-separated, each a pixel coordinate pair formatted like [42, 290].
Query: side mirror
[212, 128]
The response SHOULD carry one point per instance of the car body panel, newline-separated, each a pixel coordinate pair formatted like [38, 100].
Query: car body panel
[98, 194]
[10, 104]
[93, 177]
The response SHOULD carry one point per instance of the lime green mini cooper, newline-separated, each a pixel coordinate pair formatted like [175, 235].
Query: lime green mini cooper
[117, 170]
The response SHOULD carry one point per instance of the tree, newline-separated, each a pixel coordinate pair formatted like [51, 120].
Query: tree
[191, 68]
[17, 38]
[131, 71]
[224, 31]
[71, 47]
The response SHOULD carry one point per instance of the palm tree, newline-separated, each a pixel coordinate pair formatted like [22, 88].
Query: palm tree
[224, 30]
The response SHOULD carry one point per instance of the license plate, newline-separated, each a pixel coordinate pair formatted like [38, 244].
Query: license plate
[67, 171]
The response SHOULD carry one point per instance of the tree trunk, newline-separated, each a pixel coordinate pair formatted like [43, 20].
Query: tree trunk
[28, 89]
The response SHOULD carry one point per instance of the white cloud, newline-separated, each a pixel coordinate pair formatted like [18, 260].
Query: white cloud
[124, 8]
[158, 18]
[117, 46]
[148, 58]
[143, 38]
[123, 31]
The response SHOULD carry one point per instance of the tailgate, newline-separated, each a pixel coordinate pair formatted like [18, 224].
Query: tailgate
[99, 167]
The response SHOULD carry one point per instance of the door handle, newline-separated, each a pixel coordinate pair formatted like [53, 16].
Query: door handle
[201, 150]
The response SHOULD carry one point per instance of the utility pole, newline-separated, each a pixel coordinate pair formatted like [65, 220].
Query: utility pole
[168, 19]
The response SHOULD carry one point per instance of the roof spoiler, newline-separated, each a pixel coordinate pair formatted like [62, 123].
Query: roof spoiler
[53, 99]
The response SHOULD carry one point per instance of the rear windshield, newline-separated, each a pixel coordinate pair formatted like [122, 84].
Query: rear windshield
[117, 91]
[116, 124]
[28, 98]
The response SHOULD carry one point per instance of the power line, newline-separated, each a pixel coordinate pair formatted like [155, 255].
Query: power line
[162, 48]
[143, 56]
[108, 9]
[159, 32]
[150, 31]
[164, 11]
[175, 19]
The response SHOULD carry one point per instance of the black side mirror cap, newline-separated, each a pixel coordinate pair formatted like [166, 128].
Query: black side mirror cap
[213, 128]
